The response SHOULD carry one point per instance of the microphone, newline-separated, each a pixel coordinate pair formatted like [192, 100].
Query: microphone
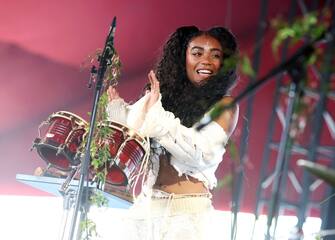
[111, 34]
[109, 44]
[107, 53]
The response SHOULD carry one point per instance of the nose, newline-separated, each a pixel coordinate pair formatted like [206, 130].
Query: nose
[206, 60]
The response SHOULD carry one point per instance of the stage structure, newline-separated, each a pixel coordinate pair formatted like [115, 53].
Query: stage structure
[285, 171]
[274, 178]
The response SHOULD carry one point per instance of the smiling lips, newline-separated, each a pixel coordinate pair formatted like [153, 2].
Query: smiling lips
[205, 72]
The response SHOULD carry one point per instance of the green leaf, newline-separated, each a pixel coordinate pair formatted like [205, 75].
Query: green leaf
[216, 111]
[310, 19]
[225, 181]
[89, 229]
[286, 33]
[246, 67]
[99, 199]
[312, 59]
[308, 26]
[233, 151]
[230, 63]
[96, 163]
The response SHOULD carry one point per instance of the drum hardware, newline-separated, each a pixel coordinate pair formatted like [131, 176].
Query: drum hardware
[117, 160]
[78, 156]
[64, 187]
[44, 172]
[110, 141]
[40, 126]
[125, 132]
[35, 143]
[72, 122]
[69, 201]
[39, 171]
[60, 149]
[131, 133]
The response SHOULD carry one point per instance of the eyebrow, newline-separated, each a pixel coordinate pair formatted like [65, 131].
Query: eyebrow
[212, 49]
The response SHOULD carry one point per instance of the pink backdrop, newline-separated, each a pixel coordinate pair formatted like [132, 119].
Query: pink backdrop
[43, 43]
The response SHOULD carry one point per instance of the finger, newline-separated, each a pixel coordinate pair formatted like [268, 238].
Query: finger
[112, 93]
[109, 93]
[151, 80]
[157, 85]
[109, 89]
[154, 81]
[153, 75]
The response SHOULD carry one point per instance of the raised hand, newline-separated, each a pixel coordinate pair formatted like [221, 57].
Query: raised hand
[153, 94]
[112, 93]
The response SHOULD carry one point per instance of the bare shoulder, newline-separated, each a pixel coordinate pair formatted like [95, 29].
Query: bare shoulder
[228, 119]
[227, 99]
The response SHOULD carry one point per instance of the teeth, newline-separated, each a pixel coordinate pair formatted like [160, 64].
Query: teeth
[204, 71]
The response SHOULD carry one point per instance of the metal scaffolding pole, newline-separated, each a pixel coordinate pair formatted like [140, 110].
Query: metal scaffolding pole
[271, 126]
[313, 150]
[328, 216]
[318, 123]
[238, 182]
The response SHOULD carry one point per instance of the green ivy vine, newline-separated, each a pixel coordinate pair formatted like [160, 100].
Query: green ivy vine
[99, 149]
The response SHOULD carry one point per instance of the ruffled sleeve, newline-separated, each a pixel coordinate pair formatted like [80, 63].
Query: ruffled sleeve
[196, 149]
[117, 110]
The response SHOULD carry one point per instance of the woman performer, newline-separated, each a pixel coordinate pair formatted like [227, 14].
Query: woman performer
[175, 200]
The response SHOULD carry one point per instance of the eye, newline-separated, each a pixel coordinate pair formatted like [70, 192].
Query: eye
[217, 55]
[197, 54]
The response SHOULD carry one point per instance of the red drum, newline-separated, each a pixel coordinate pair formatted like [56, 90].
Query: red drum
[64, 135]
[128, 149]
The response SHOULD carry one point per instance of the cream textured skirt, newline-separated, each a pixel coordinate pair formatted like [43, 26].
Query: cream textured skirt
[165, 216]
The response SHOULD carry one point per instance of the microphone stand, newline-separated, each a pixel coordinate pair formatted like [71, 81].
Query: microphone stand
[297, 73]
[81, 203]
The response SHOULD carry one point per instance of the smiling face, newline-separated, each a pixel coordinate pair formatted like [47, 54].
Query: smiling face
[203, 59]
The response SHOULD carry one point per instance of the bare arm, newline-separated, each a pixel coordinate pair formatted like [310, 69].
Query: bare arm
[228, 119]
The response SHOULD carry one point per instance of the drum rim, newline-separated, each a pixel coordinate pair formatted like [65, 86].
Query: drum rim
[41, 145]
[136, 133]
[58, 113]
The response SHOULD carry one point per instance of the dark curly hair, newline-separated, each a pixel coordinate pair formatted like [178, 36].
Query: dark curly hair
[181, 97]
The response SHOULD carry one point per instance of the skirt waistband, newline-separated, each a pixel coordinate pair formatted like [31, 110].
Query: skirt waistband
[159, 194]
[158, 203]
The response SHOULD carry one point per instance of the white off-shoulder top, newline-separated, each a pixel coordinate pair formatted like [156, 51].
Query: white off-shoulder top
[193, 153]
